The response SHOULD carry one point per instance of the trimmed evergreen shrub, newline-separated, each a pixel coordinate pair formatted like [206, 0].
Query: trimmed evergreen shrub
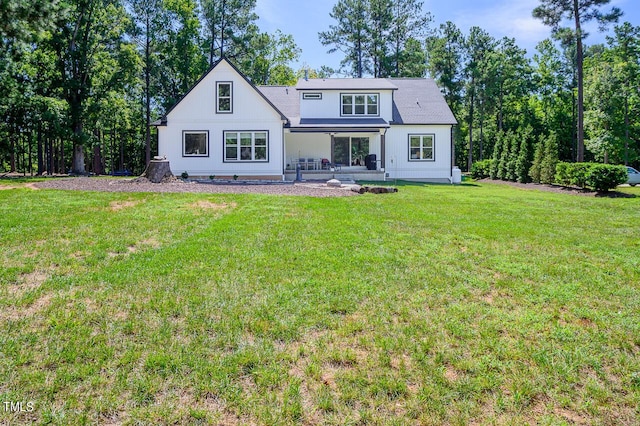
[482, 169]
[510, 173]
[523, 164]
[578, 173]
[504, 157]
[600, 177]
[603, 177]
[497, 154]
[534, 172]
[562, 173]
[549, 160]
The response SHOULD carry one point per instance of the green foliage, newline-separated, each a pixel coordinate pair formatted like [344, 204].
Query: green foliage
[600, 177]
[379, 36]
[497, 155]
[504, 156]
[549, 160]
[578, 174]
[184, 175]
[563, 177]
[523, 162]
[482, 169]
[603, 177]
[514, 147]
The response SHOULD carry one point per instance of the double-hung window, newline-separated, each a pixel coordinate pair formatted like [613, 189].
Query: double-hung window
[246, 146]
[224, 97]
[359, 104]
[421, 148]
[195, 143]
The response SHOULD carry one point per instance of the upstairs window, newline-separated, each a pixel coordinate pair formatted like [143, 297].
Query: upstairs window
[359, 104]
[224, 97]
[421, 148]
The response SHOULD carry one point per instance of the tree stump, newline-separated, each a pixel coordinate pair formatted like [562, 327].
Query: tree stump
[158, 170]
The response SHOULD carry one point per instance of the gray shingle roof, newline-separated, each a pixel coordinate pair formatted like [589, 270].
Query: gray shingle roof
[415, 100]
[286, 99]
[345, 84]
[419, 101]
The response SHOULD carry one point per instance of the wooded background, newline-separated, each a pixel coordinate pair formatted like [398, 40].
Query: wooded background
[80, 80]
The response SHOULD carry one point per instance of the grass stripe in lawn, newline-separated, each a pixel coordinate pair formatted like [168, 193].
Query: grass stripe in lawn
[434, 305]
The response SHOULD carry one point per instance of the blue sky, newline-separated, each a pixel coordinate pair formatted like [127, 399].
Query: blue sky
[512, 18]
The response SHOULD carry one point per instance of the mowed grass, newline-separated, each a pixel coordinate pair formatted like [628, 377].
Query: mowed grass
[471, 304]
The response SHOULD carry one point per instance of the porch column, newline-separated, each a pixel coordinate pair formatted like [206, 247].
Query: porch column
[382, 151]
[333, 144]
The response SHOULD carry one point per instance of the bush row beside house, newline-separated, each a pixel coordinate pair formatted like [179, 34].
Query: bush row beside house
[600, 177]
[511, 161]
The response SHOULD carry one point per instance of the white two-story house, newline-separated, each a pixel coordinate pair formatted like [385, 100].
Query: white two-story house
[366, 128]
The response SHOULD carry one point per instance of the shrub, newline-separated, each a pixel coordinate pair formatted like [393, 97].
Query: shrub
[212, 177]
[504, 157]
[522, 162]
[497, 153]
[578, 173]
[185, 175]
[549, 160]
[534, 171]
[603, 177]
[514, 147]
[482, 169]
[562, 173]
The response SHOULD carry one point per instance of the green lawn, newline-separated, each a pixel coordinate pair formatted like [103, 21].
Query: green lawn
[471, 304]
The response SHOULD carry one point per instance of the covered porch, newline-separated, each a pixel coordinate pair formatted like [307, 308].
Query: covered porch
[355, 152]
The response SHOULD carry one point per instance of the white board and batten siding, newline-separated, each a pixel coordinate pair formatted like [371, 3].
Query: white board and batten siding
[398, 164]
[196, 112]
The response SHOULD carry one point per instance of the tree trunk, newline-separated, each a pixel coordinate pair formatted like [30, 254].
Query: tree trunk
[158, 170]
[579, 60]
[40, 150]
[78, 159]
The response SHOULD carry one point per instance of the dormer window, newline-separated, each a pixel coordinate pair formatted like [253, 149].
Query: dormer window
[359, 104]
[224, 97]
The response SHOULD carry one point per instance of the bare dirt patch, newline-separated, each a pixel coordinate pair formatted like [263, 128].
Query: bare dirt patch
[116, 206]
[208, 205]
[15, 313]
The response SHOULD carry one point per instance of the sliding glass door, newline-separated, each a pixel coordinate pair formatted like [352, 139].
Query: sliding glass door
[350, 151]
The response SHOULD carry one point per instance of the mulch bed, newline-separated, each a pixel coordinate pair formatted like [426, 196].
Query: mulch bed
[559, 189]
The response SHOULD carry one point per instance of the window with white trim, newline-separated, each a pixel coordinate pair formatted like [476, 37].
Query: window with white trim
[421, 147]
[224, 97]
[195, 143]
[359, 104]
[246, 146]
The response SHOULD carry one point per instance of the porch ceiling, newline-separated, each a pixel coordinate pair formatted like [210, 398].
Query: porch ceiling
[338, 124]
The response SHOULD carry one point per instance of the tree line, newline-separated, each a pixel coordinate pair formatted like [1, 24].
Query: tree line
[573, 94]
[81, 80]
